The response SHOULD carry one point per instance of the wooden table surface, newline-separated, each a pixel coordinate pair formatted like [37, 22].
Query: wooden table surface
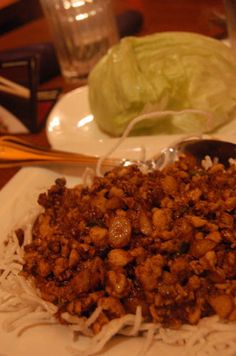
[201, 16]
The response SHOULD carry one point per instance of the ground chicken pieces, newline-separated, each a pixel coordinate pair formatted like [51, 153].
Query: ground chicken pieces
[150, 271]
[117, 284]
[98, 236]
[119, 257]
[165, 240]
[161, 219]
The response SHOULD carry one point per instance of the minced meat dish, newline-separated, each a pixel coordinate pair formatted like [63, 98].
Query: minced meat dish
[165, 241]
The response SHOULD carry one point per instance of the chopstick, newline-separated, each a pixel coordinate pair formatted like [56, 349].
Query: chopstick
[11, 87]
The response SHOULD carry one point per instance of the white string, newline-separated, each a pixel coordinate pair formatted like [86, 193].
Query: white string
[148, 116]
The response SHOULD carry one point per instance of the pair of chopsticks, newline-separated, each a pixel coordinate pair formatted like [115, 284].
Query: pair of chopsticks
[8, 86]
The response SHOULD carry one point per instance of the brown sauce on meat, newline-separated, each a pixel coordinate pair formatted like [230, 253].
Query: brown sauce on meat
[165, 241]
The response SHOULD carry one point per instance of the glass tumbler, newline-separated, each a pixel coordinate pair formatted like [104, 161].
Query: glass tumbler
[82, 32]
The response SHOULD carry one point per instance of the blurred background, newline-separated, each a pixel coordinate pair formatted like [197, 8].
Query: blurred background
[203, 16]
[22, 24]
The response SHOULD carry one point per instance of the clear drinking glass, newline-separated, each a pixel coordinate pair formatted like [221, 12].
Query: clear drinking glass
[82, 31]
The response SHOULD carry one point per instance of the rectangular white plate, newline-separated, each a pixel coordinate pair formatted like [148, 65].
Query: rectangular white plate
[19, 198]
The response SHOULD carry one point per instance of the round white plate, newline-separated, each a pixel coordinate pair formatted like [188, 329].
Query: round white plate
[71, 127]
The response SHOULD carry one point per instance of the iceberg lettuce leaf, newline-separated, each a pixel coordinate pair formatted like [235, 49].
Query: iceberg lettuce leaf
[164, 71]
